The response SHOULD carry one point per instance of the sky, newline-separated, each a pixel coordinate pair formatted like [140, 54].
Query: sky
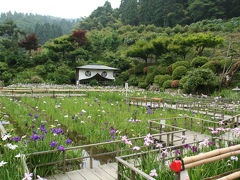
[69, 9]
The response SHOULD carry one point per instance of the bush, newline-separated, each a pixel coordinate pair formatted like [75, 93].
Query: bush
[160, 79]
[167, 84]
[150, 78]
[199, 61]
[213, 65]
[93, 82]
[36, 79]
[132, 81]
[174, 84]
[142, 85]
[179, 72]
[162, 70]
[138, 69]
[180, 63]
[200, 81]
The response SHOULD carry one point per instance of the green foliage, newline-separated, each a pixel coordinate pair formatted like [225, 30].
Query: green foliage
[93, 82]
[200, 81]
[64, 75]
[179, 72]
[213, 65]
[160, 79]
[36, 79]
[180, 63]
[167, 84]
[138, 69]
[199, 61]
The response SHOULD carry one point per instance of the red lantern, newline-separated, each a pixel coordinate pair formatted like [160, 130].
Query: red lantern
[176, 166]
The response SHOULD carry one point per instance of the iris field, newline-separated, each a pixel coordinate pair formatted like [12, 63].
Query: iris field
[46, 123]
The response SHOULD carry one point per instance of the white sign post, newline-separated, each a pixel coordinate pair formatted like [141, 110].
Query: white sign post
[126, 88]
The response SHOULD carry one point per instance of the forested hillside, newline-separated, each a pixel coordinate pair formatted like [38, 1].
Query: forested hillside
[200, 57]
[163, 13]
[45, 27]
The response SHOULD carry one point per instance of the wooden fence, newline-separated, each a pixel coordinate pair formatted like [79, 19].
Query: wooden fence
[118, 149]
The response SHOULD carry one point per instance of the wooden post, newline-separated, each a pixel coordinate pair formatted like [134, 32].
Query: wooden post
[237, 120]
[64, 162]
[117, 148]
[202, 126]
[172, 137]
[150, 127]
[191, 124]
[91, 159]
[160, 129]
[133, 175]
[119, 170]
[185, 123]
[167, 144]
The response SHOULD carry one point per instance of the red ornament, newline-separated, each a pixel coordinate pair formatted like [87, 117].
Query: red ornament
[176, 166]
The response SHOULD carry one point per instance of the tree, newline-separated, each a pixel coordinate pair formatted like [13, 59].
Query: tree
[129, 12]
[30, 42]
[201, 41]
[79, 37]
[142, 49]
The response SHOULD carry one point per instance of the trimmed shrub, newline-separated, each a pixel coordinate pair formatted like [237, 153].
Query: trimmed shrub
[213, 65]
[180, 63]
[199, 61]
[179, 72]
[162, 70]
[200, 81]
[167, 84]
[36, 79]
[160, 79]
[174, 84]
[150, 78]
[142, 85]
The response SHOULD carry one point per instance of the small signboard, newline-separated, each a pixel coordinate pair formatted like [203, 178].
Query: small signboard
[126, 86]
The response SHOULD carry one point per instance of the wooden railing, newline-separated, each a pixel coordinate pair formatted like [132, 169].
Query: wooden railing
[118, 149]
[216, 110]
[127, 170]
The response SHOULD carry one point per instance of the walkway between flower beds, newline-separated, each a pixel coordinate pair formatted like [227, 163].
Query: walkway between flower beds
[102, 172]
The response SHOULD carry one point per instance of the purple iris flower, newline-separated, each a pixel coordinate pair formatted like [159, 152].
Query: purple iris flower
[58, 131]
[114, 137]
[187, 146]
[177, 151]
[108, 140]
[34, 132]
[53, 144]
[32, 126]
[42, 128]
[35, 137]
[72, 117]
[106, 123]
[211, 143]
[194, 149]
[30, 114]
[61, 148]
[36, 115]
[43, 136]
[16, 139]
[68, 141]
[80, 114]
